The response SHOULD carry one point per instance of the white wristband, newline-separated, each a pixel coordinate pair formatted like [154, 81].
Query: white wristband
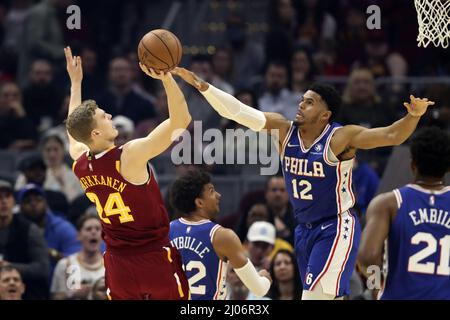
[257, 284]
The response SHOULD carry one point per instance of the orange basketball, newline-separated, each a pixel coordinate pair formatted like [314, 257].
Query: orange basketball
[160, 49]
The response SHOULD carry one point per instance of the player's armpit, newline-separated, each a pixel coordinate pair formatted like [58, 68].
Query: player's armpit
[276, 121]
[76, 149]
[379, 215]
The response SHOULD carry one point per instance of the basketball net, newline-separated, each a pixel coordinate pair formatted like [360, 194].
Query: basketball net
[434, 22]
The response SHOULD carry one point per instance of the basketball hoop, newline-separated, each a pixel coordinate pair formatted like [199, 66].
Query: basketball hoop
[433, 17]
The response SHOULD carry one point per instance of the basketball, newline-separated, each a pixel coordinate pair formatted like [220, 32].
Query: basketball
[160, 49]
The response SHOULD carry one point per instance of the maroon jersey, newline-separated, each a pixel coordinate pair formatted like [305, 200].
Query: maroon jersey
[133, 217]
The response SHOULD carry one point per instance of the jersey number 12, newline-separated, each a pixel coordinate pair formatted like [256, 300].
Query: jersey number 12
[306, 185]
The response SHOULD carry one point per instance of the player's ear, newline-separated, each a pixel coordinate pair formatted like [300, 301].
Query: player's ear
[95, 133]
[327, 115]
[198, 202]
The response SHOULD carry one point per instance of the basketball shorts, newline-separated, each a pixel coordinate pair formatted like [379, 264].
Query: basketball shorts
[153, 275]
[326, 252]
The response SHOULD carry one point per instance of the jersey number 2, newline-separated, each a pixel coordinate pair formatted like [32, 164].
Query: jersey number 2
[414, 265]
[113, 206]
[304, 195]
[201, 289]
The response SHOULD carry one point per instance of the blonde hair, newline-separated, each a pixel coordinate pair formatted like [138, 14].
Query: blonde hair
[81, 122]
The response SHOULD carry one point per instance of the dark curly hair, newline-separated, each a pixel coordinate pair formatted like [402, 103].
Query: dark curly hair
[430, 152]
[274, 291]
[330, 95]
[186, 189]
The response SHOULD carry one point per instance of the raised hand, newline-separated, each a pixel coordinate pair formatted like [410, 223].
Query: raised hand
[190, 78]
[155, 74]
[417, 107]
[74, 67]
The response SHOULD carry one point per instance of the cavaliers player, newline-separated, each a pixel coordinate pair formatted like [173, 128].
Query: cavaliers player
[139, 261]
[415, 221]
[317, 158]
[205, 246]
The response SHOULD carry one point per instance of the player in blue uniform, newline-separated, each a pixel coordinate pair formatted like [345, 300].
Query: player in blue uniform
[206, 247]
[317, 157]
[415, 220]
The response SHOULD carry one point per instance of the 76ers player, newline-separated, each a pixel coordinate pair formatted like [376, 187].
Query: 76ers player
[205, 246]
[415, 220]
[317, 158]
[139, 261]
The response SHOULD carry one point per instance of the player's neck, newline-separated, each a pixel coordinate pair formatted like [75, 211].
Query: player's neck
[197, 216]
[94, 149]
[310, 132]
[429, 183]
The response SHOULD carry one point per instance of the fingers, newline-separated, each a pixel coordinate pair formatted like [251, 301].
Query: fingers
[78, 61]
[68, 54]
[157, 74]
[408, 106]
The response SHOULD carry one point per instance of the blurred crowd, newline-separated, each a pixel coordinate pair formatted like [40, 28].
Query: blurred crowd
[49, 232]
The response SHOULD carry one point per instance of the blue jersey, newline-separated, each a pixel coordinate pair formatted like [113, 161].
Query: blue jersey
[418, 246]
[319, 185]
[204, 269]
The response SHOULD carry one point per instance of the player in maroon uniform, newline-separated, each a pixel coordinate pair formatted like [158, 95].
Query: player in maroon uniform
[140, 263]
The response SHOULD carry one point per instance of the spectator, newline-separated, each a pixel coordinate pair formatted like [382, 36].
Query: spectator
[282, 19]
[59, 177]
[363, 106]
[11, 284]
[260, 243]
[250, 54]
[201, 65]
[120, 99]
[42, 36]
[21, 132]
[257, 212]
[277, 200]
[41, 98]
[220, 69]
[260, 212]
[284, 271]
[222, 62]
[22, 246]
[76, 274]
[60, 235]
[276, 96]
[34, 170]
[314, 23]
[92, 81]
[302, 71]
[14, 25]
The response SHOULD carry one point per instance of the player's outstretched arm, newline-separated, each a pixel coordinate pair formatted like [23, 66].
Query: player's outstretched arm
[137, 152]
[75, 71]
[378, 220]
[231, 108]
[358, 137]
[228, 247]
